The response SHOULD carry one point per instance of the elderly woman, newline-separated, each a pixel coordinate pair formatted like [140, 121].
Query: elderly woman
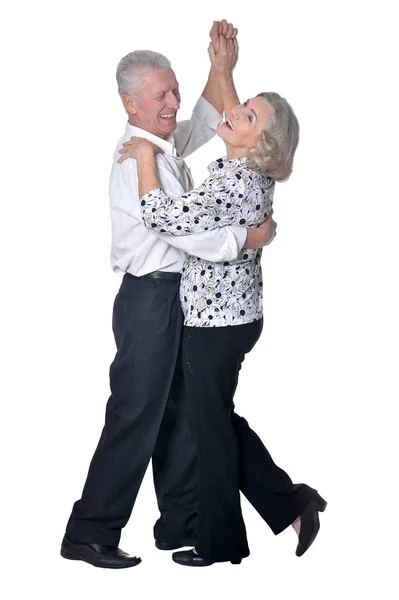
[222, 306]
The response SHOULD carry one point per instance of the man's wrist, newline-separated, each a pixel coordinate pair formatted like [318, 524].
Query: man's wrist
[252, 239]
[226, 81]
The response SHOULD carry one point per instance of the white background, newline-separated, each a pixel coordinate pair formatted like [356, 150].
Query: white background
[321, 385]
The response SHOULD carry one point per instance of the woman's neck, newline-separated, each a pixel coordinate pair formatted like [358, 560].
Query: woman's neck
[233, 152]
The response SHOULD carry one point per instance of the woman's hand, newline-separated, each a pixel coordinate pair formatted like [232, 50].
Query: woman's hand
[222, 28]
[137, 146]
[224, 58]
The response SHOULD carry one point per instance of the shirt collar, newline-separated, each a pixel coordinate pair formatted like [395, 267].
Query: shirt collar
[222, 165]
[168, 145]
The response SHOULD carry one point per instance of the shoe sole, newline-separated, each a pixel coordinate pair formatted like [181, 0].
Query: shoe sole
[69, 556]
[233, 562]
[191, 564]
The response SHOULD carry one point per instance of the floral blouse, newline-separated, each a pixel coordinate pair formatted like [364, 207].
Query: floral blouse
[216, 294]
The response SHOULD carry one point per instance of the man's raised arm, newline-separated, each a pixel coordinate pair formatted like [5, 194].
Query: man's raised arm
[220, 89]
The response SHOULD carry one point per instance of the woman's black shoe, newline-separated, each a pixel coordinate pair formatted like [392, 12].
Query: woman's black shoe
[310, 524]
[188, 558]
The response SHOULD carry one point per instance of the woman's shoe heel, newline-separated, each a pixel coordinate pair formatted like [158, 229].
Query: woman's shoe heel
[310, 524]
[236, 561]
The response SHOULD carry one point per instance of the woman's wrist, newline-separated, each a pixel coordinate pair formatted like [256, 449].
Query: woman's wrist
[226, 79]
[226, 85]
[145, 153]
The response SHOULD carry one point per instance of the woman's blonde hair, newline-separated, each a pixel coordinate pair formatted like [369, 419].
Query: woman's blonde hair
[277, 143]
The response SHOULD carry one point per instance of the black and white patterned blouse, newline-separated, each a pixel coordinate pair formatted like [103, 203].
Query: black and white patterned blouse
[216, 294]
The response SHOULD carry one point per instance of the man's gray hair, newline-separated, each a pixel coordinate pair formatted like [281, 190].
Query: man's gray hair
[133, 66]
[277, 143]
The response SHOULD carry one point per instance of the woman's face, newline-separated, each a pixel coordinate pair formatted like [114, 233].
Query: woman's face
[243, 125]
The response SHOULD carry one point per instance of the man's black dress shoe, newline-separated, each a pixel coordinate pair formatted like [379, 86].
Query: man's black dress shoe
[188, 558]
[108, 557]
[175, 546]
[310, 524]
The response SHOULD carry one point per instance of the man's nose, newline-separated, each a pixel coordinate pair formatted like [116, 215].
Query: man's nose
[173, 101]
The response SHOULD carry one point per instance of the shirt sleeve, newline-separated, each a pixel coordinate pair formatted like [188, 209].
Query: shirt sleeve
[195, 132]
[218, 245]
[235, 199]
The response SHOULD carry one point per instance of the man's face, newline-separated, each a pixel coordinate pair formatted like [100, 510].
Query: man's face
[156, 105]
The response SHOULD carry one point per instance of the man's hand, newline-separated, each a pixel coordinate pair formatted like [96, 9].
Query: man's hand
[225, 60]
[223, 49]
[263, 235]
[222, 28]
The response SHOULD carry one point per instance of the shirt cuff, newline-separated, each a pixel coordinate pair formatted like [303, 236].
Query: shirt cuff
[206, 112]
[240, 233]
[155, 193]
[234, 242]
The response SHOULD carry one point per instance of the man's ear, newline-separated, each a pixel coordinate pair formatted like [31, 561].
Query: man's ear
[129, 103]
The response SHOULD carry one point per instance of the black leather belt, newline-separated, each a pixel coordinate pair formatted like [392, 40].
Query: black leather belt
[163, 275]
[158, 275]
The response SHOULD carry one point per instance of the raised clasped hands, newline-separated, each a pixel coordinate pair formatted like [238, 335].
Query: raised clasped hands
[223, 48]
[135, 146]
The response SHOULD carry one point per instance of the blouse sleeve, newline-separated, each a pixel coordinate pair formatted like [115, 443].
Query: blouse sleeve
[236, 199]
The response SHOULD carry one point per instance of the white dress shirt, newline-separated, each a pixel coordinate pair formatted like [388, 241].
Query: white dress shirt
[137, 250]
[217, 294]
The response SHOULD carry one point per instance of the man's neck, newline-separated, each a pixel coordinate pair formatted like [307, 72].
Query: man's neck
[157, 134]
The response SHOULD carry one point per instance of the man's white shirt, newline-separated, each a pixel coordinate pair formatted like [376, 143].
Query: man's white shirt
[138, 250]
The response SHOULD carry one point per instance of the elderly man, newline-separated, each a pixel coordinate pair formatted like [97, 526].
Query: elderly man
[145, 416]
